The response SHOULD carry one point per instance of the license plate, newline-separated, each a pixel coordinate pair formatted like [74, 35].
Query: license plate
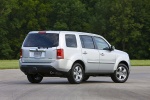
[37, 54]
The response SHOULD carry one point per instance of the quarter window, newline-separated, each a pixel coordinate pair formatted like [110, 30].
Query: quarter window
[71, 40]
[87, 42]
[101, 44]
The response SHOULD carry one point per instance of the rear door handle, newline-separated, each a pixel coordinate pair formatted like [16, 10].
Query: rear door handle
[84, 52]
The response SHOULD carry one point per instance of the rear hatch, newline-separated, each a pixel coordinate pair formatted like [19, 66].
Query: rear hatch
[40, 47]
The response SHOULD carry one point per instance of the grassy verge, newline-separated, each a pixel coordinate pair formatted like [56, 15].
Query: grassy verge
[9, 64]
[13, 64]
[140, 62]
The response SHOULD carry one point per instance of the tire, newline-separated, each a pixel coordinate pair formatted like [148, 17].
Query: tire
[76, 74]
[85, 78]
[121, 74]
[34, 78]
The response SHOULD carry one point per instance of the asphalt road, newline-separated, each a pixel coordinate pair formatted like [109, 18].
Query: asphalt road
[15, 86]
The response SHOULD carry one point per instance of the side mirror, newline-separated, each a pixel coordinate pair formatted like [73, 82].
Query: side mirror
[112, 48]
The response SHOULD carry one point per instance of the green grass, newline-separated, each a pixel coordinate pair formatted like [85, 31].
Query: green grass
[140, 62]
[14, 64]
[9, 64]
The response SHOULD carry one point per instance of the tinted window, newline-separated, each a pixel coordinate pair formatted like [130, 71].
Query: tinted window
[101, 44]
[71, 40]
[42, 40]
[87, 42]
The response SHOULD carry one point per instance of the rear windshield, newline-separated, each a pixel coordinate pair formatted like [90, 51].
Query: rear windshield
[41, 40]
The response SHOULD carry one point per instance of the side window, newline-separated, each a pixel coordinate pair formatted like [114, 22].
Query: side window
[101, 44]
[71, 40]
[87, 41]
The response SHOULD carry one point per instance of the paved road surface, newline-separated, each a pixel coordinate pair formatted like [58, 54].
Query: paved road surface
[15, 86]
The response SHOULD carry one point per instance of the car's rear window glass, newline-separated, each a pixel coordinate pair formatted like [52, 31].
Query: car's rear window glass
[42, 40]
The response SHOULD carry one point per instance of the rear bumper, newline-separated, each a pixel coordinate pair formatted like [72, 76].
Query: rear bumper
[59, 65]
[33, 69]
[43, 70]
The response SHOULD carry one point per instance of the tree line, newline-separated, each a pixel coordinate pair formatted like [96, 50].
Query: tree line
[124, 23]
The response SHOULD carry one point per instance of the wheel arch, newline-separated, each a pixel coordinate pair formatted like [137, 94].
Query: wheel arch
[80, 62]
[124, 62]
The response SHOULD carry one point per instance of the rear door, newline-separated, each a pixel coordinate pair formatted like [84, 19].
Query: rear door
[89, 53]
[40, 47]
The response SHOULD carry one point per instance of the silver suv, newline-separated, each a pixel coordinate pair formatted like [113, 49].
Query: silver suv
[74, 55]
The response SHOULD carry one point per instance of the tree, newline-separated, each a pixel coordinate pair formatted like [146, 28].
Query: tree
[27, 16]
[6, 7]
[140, 48]
[125, 23]
[69, 15]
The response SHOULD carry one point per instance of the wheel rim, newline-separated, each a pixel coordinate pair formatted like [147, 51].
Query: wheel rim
[37, 77]
[77, 73]
[121, 73]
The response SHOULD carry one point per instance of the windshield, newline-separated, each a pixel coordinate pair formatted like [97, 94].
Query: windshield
[41, 40]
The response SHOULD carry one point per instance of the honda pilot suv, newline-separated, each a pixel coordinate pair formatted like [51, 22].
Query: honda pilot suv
[74, 55]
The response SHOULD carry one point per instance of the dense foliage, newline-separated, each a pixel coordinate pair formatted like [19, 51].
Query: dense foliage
[124, 23]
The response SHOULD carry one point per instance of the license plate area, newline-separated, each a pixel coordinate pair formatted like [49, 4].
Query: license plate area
[37, 54]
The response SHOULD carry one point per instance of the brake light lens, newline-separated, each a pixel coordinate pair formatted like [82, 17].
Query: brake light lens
[20, 53]
[60, 54]
[42, 32]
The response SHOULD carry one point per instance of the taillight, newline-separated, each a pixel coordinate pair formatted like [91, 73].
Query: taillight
[60, 54]
[20, 53]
